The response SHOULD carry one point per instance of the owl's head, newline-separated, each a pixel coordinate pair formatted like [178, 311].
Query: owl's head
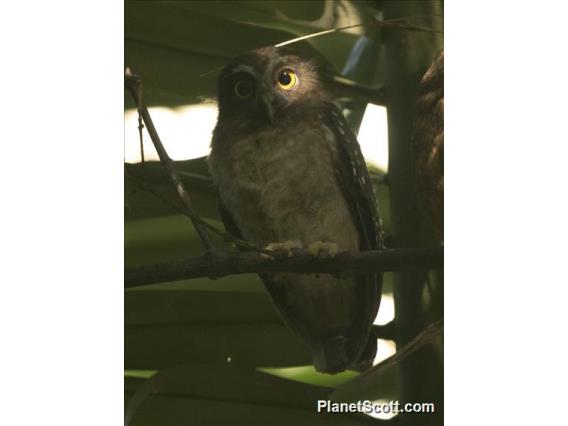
[268, 84]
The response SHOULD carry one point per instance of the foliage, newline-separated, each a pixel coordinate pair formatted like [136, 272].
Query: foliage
[214, 351]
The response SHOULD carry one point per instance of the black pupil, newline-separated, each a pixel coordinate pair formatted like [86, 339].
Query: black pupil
[284, 78]
[243, 89]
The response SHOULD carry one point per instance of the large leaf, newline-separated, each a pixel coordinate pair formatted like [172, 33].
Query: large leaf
[368, 384]
[169, 327]
[229, 395]
[175, 43]
[262, 344]
[197, 307]
[174, 46]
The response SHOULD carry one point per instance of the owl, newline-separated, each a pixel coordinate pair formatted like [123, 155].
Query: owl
[290, 174]
[428, 142]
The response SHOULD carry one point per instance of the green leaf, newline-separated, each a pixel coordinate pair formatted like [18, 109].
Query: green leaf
[308, 374]
[230, 395]
[175, 43]
[262, 344]
[170, 327]
[197, 307]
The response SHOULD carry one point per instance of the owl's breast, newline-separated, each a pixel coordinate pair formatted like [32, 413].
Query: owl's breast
[281, 185]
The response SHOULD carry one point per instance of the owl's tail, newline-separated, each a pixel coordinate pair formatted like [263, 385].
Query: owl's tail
[331, 356]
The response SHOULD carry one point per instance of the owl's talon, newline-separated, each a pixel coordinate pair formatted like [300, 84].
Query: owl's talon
[323, 250]
[287, 247]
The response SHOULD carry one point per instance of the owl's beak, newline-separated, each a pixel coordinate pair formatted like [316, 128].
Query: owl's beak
[268, 107]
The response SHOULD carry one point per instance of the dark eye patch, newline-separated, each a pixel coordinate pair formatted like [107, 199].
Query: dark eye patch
[244, 88]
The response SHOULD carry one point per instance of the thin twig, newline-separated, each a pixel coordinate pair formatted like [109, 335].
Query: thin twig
[220, 264]
[133, 83]
[228, 237]
[394, 23]
[140, 128]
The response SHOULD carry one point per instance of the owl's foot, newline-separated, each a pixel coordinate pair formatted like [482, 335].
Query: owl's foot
[287, 247]
[323, 250]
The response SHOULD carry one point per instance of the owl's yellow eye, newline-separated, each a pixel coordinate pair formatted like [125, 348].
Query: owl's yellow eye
[243, 89]
[287, 79]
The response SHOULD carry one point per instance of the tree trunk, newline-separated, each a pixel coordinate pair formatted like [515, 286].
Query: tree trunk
[418, 295]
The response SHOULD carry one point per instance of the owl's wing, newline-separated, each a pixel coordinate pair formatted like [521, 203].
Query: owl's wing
[353, 176]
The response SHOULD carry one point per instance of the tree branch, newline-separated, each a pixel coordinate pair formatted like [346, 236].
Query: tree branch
[385, 332]
[242, 244]
[423, 338]
[133, 83]
[366, 384]
[220, 264]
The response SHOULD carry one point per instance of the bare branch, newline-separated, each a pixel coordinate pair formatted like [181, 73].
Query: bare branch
[220, 264]
[242, 244]
[133, 83]
[398, 23]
